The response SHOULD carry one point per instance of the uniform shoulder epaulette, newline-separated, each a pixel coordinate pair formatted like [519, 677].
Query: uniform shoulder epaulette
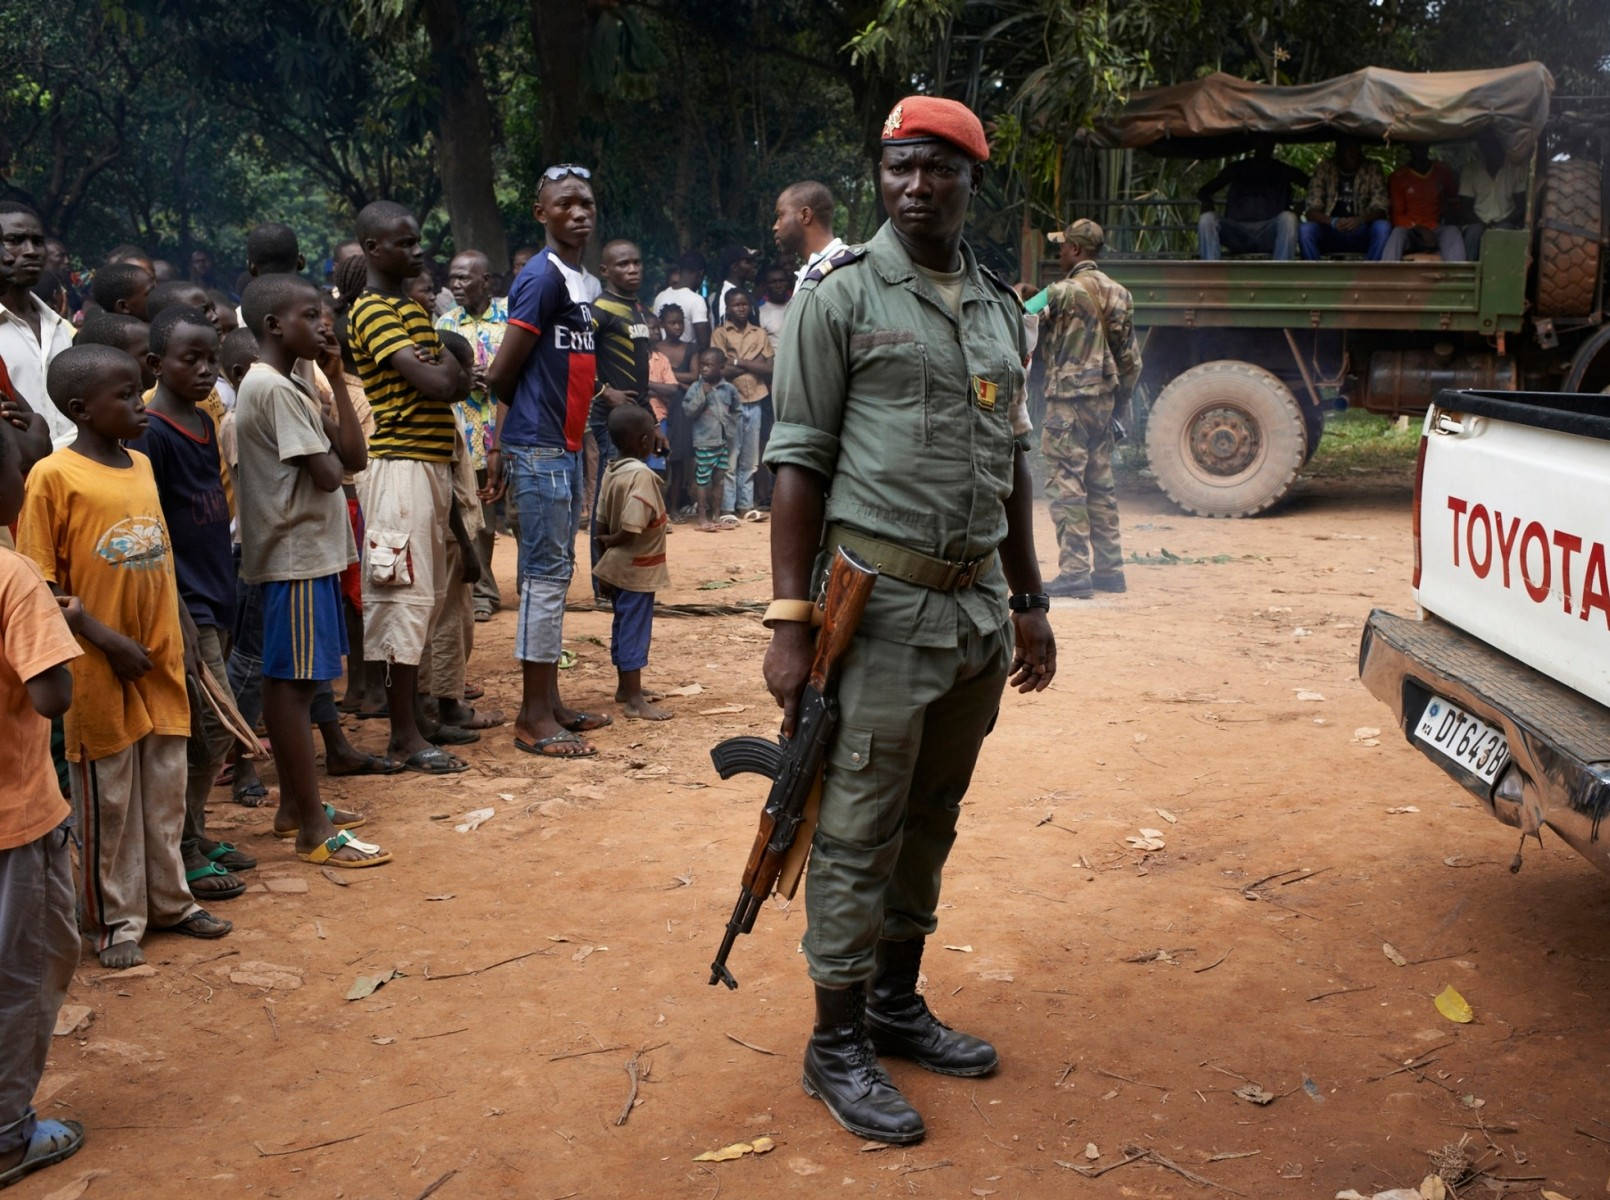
[1001, 283]
[843, 258]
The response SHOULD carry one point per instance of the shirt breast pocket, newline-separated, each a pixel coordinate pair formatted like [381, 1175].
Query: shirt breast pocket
[891, 368]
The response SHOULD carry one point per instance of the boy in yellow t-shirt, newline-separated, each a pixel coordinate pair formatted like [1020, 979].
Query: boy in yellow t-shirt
[92, 523]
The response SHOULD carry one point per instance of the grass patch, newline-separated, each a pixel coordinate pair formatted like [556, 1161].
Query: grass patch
[1356, 441]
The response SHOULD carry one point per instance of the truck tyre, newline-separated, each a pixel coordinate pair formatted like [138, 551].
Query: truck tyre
[1568, 239]
[1226, 439]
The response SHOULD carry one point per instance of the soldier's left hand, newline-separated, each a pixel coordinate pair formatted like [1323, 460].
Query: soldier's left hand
[1034, 657]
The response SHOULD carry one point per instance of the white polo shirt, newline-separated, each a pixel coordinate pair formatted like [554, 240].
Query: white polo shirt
[27, 359]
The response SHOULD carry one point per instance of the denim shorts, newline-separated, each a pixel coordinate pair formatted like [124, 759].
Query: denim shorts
[546, 486]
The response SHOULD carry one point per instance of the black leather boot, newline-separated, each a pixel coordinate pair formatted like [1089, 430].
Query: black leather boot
[902, 1027]
[842, 1071]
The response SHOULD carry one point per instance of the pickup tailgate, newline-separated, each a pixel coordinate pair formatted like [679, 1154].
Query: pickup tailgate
[1513, 523]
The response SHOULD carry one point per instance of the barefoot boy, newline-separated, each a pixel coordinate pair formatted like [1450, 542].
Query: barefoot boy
[711, 405]
[38, 940]
[295, 542]
[92, 522]
[182, 444]
[630, 525]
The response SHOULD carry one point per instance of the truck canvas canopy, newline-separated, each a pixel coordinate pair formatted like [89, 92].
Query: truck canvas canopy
[1220, 114]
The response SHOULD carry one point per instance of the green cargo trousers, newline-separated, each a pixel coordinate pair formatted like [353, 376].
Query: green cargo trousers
[1077, 444]
[912, 719]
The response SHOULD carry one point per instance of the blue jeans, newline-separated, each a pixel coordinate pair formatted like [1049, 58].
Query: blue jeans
[1370, 237]
[547, 485]
[743, 456]
[1276, 237]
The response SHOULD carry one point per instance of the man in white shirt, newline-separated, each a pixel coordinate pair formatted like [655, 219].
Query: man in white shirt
[1495, 189]
[804, 225]
[682, 290]
[31, 332]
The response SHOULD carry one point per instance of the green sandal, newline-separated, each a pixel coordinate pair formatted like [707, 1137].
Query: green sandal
[230, 857]
[338, 817]
[227, 887]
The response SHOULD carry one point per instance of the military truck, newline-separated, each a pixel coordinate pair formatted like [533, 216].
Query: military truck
[1243, 357]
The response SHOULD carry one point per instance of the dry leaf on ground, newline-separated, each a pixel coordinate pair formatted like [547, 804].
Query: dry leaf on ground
[1454, 1006]
[760, 1145]
[1391, 951]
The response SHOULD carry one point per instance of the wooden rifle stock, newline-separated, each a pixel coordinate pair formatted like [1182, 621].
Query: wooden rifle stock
[795, 765]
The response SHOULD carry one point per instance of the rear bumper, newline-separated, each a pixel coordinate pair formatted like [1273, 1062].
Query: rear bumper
[1559, 741]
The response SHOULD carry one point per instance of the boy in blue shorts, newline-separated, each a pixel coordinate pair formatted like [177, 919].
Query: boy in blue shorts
[295, 541]
[630, 528]
[711, 406]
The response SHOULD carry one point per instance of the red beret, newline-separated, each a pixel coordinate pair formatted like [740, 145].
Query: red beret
[921, 118]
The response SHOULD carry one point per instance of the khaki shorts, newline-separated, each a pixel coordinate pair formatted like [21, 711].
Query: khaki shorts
[405, 511]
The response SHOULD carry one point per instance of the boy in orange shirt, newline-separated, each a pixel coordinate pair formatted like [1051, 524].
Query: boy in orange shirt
[92, 523]
[38, 940]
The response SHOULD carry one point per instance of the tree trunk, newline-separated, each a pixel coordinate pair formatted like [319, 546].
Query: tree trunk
[561, 28]
[464, 138]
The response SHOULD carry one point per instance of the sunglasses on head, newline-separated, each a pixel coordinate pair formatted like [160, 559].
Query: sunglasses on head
[563, 169]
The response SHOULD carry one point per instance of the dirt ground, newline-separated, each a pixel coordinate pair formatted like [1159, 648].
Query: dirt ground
[1130, 992]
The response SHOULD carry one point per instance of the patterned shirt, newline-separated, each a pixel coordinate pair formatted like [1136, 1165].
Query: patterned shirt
[407, 424]
[1368, 199]
[477, 413]
[1078, 360]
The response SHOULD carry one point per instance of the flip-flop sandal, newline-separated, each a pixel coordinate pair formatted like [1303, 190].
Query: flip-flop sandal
[230, 857]
[225, 777]
[432, 761]
[452, 735]
[567, 659]
[755, 517]
[199, 924]
[51, 1142]
[226, 887]
[473, 691]
[340, 818]
[543, 747]
[479, 720]
[727, 521]
[369, 764]
[322, 855]
[483, 615]
[588, 722]
[253, 795]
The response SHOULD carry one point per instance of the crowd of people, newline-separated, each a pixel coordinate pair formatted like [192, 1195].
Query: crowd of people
[218, 501]
[1350, 206]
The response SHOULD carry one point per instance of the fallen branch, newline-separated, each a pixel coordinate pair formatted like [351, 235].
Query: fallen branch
[1127, 1079]
[425, 1037]
[636, 1073]
[352, 1137]
[1368, 987]
[585, 1053]
[1098, 1172]
[751, 1045]
[974, 1098]
[1211, 965]
[432, 1189]
[944, 1162]
[1300, 878]
[1249, 888]
[502, 962]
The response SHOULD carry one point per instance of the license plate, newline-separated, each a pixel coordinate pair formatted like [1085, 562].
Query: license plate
[1473, 744]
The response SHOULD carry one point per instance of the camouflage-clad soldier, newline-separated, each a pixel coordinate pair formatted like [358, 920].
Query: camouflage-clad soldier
[1087, 343]
[901, 435]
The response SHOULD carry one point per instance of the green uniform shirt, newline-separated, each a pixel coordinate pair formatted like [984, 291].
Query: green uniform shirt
[905, 412]
[1079, 361]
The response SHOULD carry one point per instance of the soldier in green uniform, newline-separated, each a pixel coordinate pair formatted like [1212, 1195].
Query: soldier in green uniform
[901, 433]
[1087, 343]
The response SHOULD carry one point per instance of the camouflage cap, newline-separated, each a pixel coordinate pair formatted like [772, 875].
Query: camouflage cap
[1083, 232]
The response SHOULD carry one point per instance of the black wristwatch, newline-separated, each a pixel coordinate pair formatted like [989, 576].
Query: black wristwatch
[1028, 601]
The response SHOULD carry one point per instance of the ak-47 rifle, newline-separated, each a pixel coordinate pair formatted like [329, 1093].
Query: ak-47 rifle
[793, 764]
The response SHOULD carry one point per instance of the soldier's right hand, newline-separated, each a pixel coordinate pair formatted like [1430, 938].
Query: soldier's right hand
[787, 667]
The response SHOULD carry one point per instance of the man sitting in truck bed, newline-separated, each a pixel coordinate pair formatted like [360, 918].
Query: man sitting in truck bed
[1347, 206]
[1495, 189]
[1257, 212]
[1423, 194]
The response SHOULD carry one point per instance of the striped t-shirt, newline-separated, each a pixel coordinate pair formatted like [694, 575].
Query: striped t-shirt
[407, 424]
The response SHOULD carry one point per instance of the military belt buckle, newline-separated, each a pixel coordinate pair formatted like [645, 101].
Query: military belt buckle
[964, 575]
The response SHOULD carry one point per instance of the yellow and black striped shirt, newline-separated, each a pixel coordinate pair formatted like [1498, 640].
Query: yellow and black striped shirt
[407, 424]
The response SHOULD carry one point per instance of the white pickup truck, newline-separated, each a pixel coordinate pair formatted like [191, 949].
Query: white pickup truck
[1503, 680]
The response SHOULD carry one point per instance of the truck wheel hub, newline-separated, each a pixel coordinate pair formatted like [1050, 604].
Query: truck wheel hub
[1224, 441]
